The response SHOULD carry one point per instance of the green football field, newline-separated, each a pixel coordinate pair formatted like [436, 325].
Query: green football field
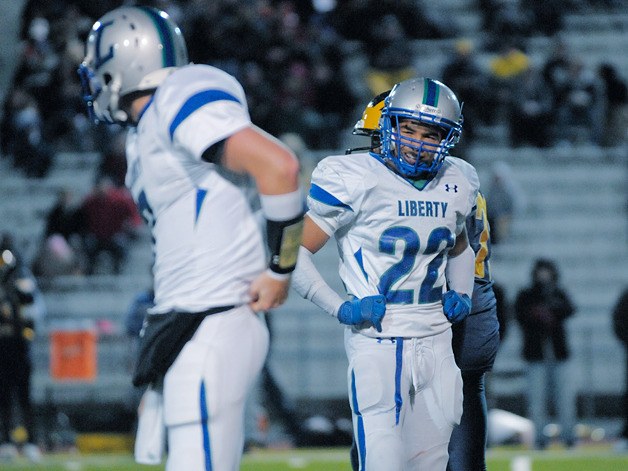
[335, 459]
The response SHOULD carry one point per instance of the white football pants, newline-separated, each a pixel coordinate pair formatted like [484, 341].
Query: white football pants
[206, 388]
[406, 397]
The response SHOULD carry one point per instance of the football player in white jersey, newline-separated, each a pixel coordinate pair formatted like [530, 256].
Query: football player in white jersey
[192, 155]
[475, 339]
[398, 217]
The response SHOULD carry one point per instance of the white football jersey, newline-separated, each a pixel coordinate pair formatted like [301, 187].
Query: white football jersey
[392, 238]
[208, 246]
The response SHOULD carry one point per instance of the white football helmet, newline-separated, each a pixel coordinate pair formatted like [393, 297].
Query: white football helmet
[128, 50]
[429, 102]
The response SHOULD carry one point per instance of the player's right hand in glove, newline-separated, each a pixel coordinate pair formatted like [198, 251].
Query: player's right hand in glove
[369, 309]
[456, 306]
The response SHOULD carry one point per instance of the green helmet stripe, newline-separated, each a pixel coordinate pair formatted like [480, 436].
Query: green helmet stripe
[168, 55]
[430, 92]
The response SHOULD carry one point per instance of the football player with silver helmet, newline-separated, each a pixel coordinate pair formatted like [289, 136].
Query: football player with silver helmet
[203, 344]
[398, 216]
[129, 51]
[475, 339]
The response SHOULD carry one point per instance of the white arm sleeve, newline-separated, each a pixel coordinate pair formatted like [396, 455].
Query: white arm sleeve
[460, 271]
[308, 282]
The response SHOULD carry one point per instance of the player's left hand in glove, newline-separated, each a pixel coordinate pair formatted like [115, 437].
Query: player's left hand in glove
[456, 306]
[369, 308]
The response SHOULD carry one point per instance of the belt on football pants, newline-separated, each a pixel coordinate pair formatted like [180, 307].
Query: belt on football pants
[163, 336]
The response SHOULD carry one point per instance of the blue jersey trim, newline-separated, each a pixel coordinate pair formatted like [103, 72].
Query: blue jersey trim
[200, 197]
[319, 194]
[359, 259]
[197, 101]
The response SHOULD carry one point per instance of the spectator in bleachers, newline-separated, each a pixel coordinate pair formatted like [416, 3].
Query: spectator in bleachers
[529, 114]
[389, 55]
[615, 91]
[22, 134]
[620, 328]
[334, 100]
[38, 61]
[506, 69]
[38, 73]
[509, 23]
[111, 221]
[465, 76]
[579, 106]
[505, 199]
[62, 218]
[546, 15]
[576, 97]
[542, 309]
[555, 68]
[59, 252]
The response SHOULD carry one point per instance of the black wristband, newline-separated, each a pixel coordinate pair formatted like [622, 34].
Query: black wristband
[284, 239]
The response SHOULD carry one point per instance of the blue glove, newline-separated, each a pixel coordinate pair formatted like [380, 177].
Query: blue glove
[456, 306]
[370, 308]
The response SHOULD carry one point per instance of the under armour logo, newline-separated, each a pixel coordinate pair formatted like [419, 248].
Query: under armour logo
[453, 188]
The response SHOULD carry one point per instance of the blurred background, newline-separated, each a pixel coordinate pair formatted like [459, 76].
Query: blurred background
[544, 89]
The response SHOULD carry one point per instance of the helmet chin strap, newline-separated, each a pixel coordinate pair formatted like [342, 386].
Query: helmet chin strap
[120, 116]
[117, 115]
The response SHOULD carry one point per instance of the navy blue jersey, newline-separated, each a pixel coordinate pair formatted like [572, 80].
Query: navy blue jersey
[478, 232]
[476, 339]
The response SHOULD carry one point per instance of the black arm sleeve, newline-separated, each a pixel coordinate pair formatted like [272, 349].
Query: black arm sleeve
[213, 154]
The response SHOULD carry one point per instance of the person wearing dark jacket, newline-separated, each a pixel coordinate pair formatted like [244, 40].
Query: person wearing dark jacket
[541, 310]
[18, 291]
[620, 327]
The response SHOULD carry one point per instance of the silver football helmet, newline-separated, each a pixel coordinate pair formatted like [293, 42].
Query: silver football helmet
[431, 103]
[128, 50]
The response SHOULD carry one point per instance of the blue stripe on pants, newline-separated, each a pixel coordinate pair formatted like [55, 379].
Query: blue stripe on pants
[360, 431]
[205, 428]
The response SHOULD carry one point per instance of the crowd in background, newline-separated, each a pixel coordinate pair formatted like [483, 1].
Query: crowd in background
[291, 58]
[93, 235]
[296, 62]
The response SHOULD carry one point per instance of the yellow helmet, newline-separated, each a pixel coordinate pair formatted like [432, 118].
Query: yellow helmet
[369, 123]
